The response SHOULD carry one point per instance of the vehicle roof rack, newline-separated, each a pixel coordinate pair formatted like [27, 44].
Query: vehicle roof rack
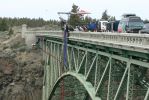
[128, 15]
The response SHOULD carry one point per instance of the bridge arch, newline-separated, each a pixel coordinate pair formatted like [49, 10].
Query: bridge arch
[87, 85]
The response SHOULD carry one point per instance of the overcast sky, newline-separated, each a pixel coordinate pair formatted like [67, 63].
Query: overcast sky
[48, 9]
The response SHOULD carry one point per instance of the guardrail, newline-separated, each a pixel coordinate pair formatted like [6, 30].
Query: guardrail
[121, 39]
[127, 38]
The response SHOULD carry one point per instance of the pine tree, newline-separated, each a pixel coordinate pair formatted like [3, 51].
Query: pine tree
[105, 16]
[3, 25]
[87, 19]
[146, 21]
[74, 19]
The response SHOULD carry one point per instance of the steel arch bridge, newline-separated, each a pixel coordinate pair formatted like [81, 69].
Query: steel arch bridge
[93, 72]
[100, 66]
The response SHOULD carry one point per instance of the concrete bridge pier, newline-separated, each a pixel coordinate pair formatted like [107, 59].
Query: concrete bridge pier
[24, 29]
[29, 36]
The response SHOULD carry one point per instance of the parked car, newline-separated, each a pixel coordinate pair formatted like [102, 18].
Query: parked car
[145, 29]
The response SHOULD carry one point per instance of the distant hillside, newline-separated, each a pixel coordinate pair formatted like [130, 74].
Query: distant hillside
[7, 23]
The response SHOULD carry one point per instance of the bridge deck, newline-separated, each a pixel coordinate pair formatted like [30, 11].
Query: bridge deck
[126, 41]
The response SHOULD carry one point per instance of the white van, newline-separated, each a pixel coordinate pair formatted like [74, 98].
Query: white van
[102, 26]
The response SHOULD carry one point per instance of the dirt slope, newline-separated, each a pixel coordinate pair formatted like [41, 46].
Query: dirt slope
[21, 69]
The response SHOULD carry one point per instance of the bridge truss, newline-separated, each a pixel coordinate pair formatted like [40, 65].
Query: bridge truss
[93, 72]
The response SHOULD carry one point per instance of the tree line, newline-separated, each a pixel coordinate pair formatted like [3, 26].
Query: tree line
[7, 23]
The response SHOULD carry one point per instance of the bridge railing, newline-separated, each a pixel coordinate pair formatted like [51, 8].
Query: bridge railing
[137, 39]
[126, 38]
[129, 41]
[121, 39]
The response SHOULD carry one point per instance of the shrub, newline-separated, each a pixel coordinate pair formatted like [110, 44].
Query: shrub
[3, 25]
